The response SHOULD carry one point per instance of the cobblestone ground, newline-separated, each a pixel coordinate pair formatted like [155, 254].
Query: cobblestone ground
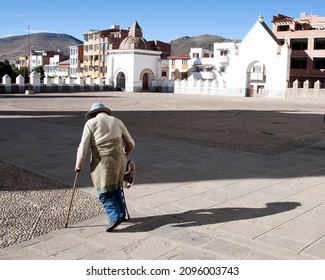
[36, 205]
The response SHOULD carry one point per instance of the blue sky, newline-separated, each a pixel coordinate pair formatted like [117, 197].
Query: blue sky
[160, 20]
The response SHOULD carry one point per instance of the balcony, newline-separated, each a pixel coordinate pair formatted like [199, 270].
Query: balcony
[222, 59]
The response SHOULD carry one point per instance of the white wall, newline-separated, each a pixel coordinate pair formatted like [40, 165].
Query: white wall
[132, 63]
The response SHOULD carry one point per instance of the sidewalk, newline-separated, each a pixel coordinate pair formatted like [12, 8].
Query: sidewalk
[189, 201]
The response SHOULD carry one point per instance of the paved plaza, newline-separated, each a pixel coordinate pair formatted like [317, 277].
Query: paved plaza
[217, 178]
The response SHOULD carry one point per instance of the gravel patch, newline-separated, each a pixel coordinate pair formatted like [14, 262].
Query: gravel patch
[38, 205]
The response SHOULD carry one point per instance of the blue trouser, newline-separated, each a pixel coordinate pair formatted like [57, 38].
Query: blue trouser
[113, 203]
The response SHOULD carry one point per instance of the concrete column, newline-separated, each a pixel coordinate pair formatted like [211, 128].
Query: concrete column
[100, 83]
[79, 81]
[69, 81]
[6, 80]
[48, 81]
[35, 81]
[20, 81]
[90, 83]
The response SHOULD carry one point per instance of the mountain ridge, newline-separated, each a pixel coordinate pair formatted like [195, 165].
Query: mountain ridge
[183, 44]
[14, 46]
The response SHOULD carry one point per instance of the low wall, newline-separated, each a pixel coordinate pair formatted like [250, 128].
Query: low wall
[54, 88]
[73, 85]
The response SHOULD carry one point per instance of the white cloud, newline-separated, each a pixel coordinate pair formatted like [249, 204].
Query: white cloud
[6, 35]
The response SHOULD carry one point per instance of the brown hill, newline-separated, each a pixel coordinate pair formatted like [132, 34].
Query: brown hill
[14, 46]
[184, 44]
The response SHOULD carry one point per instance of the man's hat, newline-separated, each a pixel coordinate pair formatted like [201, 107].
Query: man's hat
[96, 108]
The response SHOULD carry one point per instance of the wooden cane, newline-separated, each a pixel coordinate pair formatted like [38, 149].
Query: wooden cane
[73, 192]
[126, 208]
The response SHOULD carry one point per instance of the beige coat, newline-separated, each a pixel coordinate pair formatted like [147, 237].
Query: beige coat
[110, 144]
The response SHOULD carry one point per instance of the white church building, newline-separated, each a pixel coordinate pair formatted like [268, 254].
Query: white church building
[259, 65]
[134, 67]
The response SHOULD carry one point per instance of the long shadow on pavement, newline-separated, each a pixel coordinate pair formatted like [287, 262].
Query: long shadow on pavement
[208, 216]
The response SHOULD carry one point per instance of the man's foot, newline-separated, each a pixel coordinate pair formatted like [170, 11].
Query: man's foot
[114, 224]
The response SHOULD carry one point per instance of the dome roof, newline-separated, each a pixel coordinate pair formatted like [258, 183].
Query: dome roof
[135, 39]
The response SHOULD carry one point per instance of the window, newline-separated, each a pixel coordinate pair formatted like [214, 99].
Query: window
[184, 75]
[319, 44]
[298, 63]
[299, 44]
[283, 28]
[196, 55]
[103, 58]
[319, 63]
[257, 69]
[223, 52]
[260, 89]
[104, 46]
[173, 62]
[184, 61]
[222, 69]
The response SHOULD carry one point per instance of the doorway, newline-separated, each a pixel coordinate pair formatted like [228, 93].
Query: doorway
[120, 81]
[145, 82]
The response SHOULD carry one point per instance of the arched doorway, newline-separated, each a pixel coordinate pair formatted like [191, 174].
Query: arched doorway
[120, 81]
[147, 76]
[255, 79]
[145, 80]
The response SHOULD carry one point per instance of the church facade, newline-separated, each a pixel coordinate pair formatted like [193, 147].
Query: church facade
[134, 66]
[259, 65]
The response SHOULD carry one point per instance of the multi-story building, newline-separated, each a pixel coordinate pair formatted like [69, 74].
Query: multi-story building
[50, 69]
[96, 44]
[306, 37]
[179, 67]
[202, 64]
[63, 69]
[22, 62]
[40, 58]
[76, 61]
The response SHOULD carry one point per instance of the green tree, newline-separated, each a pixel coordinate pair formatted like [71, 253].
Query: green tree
[40, 70]
[5, 69]
[24, 71]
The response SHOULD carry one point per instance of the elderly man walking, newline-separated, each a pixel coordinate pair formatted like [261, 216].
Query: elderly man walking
[110, 144]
